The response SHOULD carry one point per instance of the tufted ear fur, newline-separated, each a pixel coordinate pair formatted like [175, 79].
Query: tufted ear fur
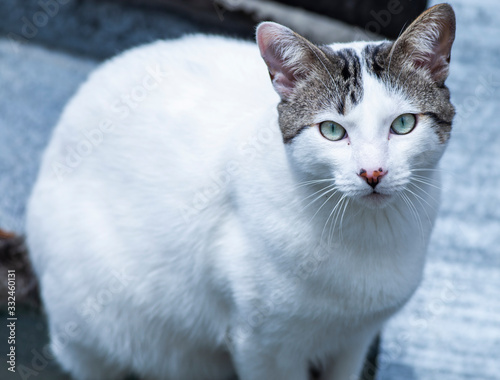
[427, 42]
[288, 56]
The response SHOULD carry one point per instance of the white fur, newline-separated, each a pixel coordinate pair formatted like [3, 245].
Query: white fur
[178, 244]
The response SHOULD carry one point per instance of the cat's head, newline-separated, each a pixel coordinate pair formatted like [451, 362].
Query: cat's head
[372, 116]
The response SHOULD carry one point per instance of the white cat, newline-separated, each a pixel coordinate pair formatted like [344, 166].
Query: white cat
[190, 222]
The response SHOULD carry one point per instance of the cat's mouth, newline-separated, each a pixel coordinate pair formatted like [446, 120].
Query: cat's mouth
[376, 199]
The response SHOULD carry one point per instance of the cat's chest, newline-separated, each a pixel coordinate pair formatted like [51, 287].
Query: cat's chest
[362, 270]
[336, 299]
[347, 286]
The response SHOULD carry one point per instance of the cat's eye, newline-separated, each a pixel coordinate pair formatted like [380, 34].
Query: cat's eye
[332, 130]
[403, 124]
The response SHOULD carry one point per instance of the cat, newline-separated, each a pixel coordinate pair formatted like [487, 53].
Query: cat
[204, 211]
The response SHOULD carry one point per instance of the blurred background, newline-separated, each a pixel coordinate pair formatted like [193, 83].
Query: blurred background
[450, 330]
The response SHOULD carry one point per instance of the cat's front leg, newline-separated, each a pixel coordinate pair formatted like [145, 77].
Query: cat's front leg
[348, 364]
[255, 358]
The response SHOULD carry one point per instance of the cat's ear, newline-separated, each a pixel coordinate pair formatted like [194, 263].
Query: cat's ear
[287, 55]
[427, 42]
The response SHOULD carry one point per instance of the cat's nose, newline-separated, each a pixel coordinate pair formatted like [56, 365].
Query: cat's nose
[372, 177]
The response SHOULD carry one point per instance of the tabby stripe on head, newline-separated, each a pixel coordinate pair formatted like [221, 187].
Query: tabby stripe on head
[288, 139]
[351, 87]
[444, 126]
[375, 56]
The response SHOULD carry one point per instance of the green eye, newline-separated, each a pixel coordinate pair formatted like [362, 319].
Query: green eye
[403, 124]
[332, 131]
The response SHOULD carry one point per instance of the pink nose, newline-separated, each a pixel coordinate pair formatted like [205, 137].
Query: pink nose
[374, 178]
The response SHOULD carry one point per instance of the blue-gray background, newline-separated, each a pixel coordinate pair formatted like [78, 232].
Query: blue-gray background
[450, 330]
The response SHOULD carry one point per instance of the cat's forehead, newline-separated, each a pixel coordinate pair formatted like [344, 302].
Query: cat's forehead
[357, 46]
[369, 55]
[377, 103]
[373, 81]
[347, 66]
[351, 73]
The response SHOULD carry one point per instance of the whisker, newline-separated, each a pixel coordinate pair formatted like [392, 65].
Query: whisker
[336, 213]
[324, 203]
[314, 181]
[324, 193]
[426, 193]
[342, 222]
[439, 170]
[426, 183]
[414, 212]
[425, 177]
[319, 191]
[427, 170]
[417, 216]
[330, 215]
[419, 200]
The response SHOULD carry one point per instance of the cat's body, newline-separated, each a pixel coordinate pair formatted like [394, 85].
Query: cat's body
[183, 241]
